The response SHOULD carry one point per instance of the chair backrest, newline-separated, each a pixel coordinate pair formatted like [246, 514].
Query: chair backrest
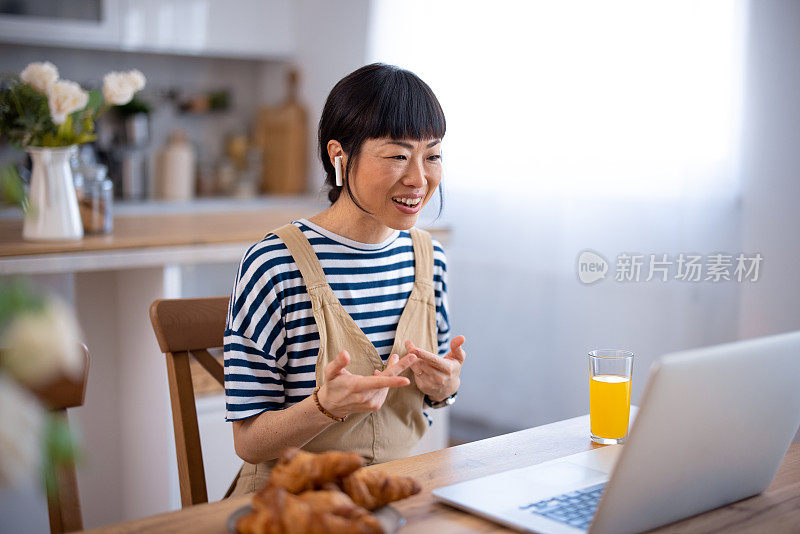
[63, 500]
[187, 327]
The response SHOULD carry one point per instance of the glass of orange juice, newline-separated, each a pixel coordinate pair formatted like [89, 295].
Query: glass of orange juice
[610, 372]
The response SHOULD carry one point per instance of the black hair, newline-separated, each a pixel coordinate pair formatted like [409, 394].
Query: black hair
[373, 102]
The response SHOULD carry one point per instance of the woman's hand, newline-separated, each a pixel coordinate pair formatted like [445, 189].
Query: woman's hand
[435, 376]
[344, 393]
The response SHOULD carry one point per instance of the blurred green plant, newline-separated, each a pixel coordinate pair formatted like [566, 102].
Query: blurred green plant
[12, 189]
[135, 106]
[59, 445]
[16, 298]
[59, 448]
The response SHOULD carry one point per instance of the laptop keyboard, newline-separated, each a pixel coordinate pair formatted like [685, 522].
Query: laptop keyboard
[575, 508]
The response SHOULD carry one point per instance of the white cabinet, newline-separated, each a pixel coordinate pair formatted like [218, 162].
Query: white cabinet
[256, 29]
[245, 28]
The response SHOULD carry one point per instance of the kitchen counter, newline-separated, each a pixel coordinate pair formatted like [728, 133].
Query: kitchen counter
[192, 232]
[146, 240]
[147, 227]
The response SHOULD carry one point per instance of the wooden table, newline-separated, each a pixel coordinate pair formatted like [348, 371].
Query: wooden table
[777, 510]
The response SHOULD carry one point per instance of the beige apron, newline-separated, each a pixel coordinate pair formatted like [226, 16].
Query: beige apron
[392, 431]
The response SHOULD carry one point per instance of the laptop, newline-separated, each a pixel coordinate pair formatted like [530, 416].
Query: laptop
[712, 428]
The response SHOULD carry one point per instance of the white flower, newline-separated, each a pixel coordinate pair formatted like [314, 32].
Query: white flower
[21, 434]
[40, 75]
[137, 79]
[42, 344]
[119, 87]
[65, 97]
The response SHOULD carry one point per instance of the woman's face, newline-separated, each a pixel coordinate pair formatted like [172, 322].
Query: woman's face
[393, 179]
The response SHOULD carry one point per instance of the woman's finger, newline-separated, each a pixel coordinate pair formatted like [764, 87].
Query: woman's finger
[366, 383]
[423, 369]
[456, 352]
[399, 365]
[431, 359]
[419, 367]
[389, 362]
[337, 365]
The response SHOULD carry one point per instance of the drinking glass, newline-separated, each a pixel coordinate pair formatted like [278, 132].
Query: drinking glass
[610, 373]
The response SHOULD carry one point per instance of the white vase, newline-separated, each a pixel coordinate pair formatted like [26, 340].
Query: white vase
[54, 214]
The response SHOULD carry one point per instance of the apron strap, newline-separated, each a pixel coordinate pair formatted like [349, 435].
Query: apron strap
[423, 256]
[303, 255]
[235, 481]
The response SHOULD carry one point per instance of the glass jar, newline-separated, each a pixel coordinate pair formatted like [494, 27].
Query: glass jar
[77, 172]
[96, 203]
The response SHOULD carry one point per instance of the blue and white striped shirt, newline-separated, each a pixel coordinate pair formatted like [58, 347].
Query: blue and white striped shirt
[271, 337]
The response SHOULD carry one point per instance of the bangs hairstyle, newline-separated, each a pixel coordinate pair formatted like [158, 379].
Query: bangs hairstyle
[376, 101]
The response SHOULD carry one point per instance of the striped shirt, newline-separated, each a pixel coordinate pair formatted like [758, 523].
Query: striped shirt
[271, 338]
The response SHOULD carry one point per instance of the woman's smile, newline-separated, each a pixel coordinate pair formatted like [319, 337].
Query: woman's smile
[409, 204]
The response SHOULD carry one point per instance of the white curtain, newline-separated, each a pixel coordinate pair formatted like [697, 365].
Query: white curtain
[610, 126]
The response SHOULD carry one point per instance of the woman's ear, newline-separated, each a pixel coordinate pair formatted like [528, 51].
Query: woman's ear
[335, 149]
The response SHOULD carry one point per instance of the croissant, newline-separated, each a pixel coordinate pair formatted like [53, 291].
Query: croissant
[331, 501]
[297, 470]
[340, 504]
[371, 489]
[278, 512]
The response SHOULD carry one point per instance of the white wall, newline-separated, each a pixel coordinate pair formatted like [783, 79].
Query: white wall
[771, 168]
[331, 42]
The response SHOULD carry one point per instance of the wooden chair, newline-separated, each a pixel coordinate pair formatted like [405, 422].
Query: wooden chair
[64, 505]
[187, 327]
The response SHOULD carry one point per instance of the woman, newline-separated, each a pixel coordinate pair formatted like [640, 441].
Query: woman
[322, 308]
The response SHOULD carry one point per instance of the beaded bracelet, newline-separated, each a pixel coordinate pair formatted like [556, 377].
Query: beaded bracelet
[323, 410]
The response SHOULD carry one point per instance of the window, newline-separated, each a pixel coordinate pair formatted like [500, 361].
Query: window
[580, 98]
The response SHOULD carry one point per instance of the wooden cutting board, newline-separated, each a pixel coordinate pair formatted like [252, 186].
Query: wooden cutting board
[281, 133]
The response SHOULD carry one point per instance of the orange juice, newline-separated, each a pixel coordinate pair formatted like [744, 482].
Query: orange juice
[609, 405]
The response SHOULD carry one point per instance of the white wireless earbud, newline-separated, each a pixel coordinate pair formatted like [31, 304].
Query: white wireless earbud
[337, 166]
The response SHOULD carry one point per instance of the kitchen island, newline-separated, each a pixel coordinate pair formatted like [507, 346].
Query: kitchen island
[155, 251]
